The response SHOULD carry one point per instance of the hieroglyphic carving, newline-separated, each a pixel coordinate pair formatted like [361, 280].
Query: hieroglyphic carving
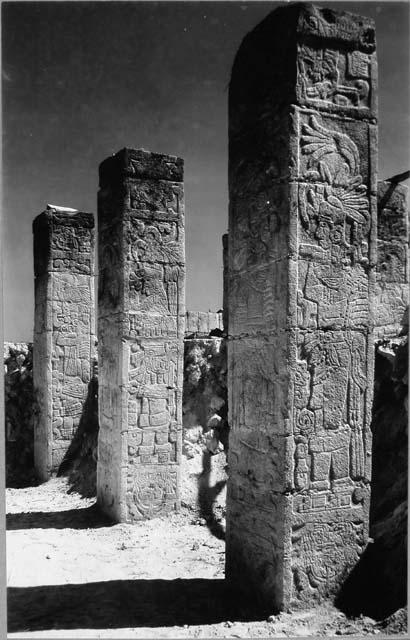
[64, 339]
[141, 307]
[392, 282]
[300, 363]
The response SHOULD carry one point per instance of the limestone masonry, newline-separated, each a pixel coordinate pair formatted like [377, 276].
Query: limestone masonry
[302, 259]
[141, 317]
[392, 281]
[64, 340]
[201, 323]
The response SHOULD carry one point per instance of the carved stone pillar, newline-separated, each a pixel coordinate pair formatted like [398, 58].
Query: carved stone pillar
[392, 282]
[225, 262]
[64, 330]
[302, 256]
[141, 312]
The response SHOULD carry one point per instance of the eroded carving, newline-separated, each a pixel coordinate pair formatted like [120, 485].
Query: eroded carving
[64, 341]
[301, 280]
[142, 313]
[392, 279]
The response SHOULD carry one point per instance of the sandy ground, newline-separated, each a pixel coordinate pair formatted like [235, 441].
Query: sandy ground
[73, 574]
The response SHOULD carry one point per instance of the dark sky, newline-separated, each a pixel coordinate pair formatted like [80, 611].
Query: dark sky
[81, 80]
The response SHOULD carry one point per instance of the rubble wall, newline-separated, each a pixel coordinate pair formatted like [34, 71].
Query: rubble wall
[19, 407]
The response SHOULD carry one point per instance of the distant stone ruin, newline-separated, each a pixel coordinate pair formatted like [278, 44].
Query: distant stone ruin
[302, 259]
[141, 314]
[199, 324]
[64, 332]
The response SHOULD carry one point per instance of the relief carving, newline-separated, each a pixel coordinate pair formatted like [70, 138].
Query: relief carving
[154, 288]
[154, 242]
[141, 314]
[329, 413]
[150, 492]
[335, 212]
[300, 320]
[333, 77]
[320, 550]
[65, 305]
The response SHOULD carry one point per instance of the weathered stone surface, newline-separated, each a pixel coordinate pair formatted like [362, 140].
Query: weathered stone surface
[225, 262]
[392, 279]
[141, 316]
[64, 332]
[302, 259]
[199, 324]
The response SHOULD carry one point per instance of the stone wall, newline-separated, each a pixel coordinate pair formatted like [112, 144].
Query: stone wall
[203, 323]
[19, 407]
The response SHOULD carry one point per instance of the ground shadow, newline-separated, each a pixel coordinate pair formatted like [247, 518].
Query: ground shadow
[125, 603]
[207, 496]
[90, 517]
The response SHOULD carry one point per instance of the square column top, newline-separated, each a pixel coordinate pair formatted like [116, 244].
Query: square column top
[54, 214]
[310, 21]
[63, 241]
[340, 26]
[140, 164]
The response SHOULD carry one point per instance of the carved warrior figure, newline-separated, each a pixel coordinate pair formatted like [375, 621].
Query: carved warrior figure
[300, 332]
[64, 341]
[141, 330]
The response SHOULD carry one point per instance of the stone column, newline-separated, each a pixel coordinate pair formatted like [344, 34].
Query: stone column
[392, 283]
[64, 330]
[141, 317]
[225, 263]
[302, 255]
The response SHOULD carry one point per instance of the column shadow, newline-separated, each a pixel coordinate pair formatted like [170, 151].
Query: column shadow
[124, 603]
[377, 586]
[207, 495]
[86, 518]
[80, 460]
